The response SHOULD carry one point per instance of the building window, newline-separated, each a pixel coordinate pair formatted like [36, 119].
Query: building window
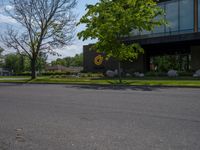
[180, 17]
[172, 16]
[186, 15]
[159, 29]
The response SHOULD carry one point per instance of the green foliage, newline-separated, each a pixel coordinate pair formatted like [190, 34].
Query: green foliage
[58, 61]
[23, 74]
[109, 21]
[164, 74]
[56, 73]
[155, 74]
[165, 63]
[76, 61]
[41, 62]
[20, 64]
[12, 62]
[91, 75]
[185, 74]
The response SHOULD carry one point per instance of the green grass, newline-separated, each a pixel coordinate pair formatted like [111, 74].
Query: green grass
[15, 77]
[147, 81]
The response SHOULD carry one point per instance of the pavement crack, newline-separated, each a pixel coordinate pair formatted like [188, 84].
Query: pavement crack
[19, 135]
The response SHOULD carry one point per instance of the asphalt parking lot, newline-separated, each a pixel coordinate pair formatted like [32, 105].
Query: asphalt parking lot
[72, 117]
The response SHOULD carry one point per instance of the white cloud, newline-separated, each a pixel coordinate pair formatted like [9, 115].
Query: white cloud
[6, 7]
[7, 19]
[70, 51]
[2, 9]
[4, 18]
[9, 7]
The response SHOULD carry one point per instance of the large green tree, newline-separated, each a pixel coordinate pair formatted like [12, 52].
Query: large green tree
[109, 21]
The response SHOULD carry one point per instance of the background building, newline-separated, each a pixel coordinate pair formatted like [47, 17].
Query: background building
[181, 37]
[4, 72]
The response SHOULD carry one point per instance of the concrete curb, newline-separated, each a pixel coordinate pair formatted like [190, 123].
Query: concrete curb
[103, 85]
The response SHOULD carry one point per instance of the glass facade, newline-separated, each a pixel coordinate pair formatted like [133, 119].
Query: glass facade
[180, 17]
[159, 29]
[172, 10]
[199, 15]
[186, 15]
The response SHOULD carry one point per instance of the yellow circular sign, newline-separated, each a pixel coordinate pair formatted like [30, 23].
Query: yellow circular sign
[98, 60]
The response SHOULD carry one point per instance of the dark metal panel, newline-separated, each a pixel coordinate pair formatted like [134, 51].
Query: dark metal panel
[189, 37]
[195, 15]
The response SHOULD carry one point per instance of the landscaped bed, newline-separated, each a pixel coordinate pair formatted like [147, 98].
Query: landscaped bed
[146, 81]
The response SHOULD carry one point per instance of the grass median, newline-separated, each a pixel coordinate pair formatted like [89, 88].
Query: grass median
[147, 81]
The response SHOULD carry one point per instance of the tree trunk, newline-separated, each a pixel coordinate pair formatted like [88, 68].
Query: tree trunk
[33, 68]
[119, 72]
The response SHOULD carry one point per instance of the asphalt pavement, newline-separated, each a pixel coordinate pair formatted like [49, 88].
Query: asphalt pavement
[74, 117]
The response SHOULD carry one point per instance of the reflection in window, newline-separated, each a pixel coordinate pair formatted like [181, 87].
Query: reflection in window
[159, 29]
[180, 17]
[146, 32]
[172, 16]
[186, 15]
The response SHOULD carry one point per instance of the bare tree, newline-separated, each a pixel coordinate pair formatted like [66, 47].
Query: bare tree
[1, 57]
[46, 25]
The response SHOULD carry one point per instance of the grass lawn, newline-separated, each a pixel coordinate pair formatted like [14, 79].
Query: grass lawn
[147, 81]
[13, 77]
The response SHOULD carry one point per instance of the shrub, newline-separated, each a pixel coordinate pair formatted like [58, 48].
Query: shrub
[155, 74]
[83, 71]
[56, 73]
[23, 74]
[63, 76]
[57, 76]
[185, 74]
[92, 75]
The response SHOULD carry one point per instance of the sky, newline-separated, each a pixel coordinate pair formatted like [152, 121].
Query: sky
[77, 45]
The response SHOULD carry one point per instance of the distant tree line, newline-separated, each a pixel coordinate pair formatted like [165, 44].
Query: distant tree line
[20, 64]
[76, 61]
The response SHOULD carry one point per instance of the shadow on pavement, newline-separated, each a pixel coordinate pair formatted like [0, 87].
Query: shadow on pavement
[10, 84]
[116, 87]
[96, 87]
